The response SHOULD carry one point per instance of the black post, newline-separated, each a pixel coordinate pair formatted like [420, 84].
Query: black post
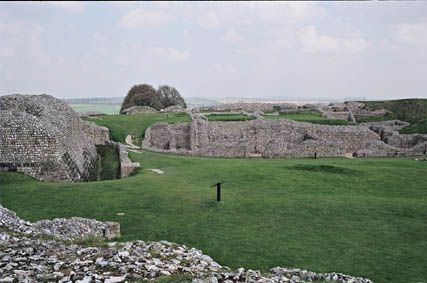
[218, 192]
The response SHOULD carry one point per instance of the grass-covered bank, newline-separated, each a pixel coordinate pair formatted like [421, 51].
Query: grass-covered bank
[363, 217]
[122, 125]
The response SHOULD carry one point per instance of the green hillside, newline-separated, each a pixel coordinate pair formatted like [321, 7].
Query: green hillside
[409, 110]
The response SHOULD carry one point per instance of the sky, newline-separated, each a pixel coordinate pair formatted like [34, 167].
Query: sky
[289, 50]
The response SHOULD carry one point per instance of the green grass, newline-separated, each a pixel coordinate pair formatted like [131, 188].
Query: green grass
[109, 165]
[307, 116]
[122, 125]
[365, 217]
[409, 110]
[229, 117]
[110, 109]
[419, 127]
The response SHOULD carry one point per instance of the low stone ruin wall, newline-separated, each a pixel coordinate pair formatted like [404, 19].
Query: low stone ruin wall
[99, 135]
[282, 138]
[126, 165]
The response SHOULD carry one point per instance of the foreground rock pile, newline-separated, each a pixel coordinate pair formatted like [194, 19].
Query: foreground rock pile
[27, 257]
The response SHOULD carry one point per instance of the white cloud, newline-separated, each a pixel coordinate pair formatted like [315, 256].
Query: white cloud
[210, 20]
[169, 53]
[312, 41]
[73, 6]
[232, 36]
[224, 68]
[142, 18]
[415, 34]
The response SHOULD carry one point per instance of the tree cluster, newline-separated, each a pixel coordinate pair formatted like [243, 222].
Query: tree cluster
[146, 95]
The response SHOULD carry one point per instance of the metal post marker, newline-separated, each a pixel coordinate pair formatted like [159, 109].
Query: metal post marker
[218, 190]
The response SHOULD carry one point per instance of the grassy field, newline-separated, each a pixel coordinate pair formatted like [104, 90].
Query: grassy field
[364, 217]
[110, 109]
[109, 164]
[122, 125]
[307, 116]
[229, 117]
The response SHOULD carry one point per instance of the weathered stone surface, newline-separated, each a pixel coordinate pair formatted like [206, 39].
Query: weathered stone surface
[138, 109]
[60, 228]
[29, 258]
[174, 108]
[44, 138]
[248, 106]
[282, 138]
[126, 165]
[99, 135]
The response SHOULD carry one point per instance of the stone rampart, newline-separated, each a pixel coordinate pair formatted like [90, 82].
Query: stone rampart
[44, 138]
[266, 138]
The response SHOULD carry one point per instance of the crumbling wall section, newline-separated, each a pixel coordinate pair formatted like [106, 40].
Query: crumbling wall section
[266, 138]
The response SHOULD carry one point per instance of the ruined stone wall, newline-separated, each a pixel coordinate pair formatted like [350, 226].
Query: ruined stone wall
[44, 138]
[283, 138]
[249, 106]
[100, 135]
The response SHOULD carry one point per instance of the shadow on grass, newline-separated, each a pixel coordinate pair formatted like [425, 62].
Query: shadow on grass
[326, 169]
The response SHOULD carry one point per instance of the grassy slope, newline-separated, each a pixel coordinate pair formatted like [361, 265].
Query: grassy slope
[109, 169]
[122, 125]
[308, 116]
[363, 217]
[419, 127]
[410, 110]
[110, 109]
[229, 117]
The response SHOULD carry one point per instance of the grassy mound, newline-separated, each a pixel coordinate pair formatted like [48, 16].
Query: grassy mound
[419, 127]
[229, 117]
[320, 217]
[122, 125]
[409, 110]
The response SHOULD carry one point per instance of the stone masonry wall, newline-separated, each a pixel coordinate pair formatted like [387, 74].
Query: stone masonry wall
[44, 138]
[266, 138]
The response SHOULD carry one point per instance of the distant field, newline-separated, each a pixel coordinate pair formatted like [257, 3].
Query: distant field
[106, 108]
[307, 116]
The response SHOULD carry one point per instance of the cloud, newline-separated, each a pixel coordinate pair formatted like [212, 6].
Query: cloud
[224, 69]
[73, 6]
[232, 36]
[169, 53]
[142, 18]
[415, 34]
[210, 20]
[313, 42]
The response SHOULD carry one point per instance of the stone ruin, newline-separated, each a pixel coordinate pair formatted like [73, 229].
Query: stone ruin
[280, 138]
[353, 111]
[49, 251]
[45, 138]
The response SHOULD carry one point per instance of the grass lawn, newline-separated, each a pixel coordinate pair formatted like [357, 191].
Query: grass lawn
[307, 116]
[365, 217]
[410, 110]
[229, 117]
[122, 125]
[110, 109]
